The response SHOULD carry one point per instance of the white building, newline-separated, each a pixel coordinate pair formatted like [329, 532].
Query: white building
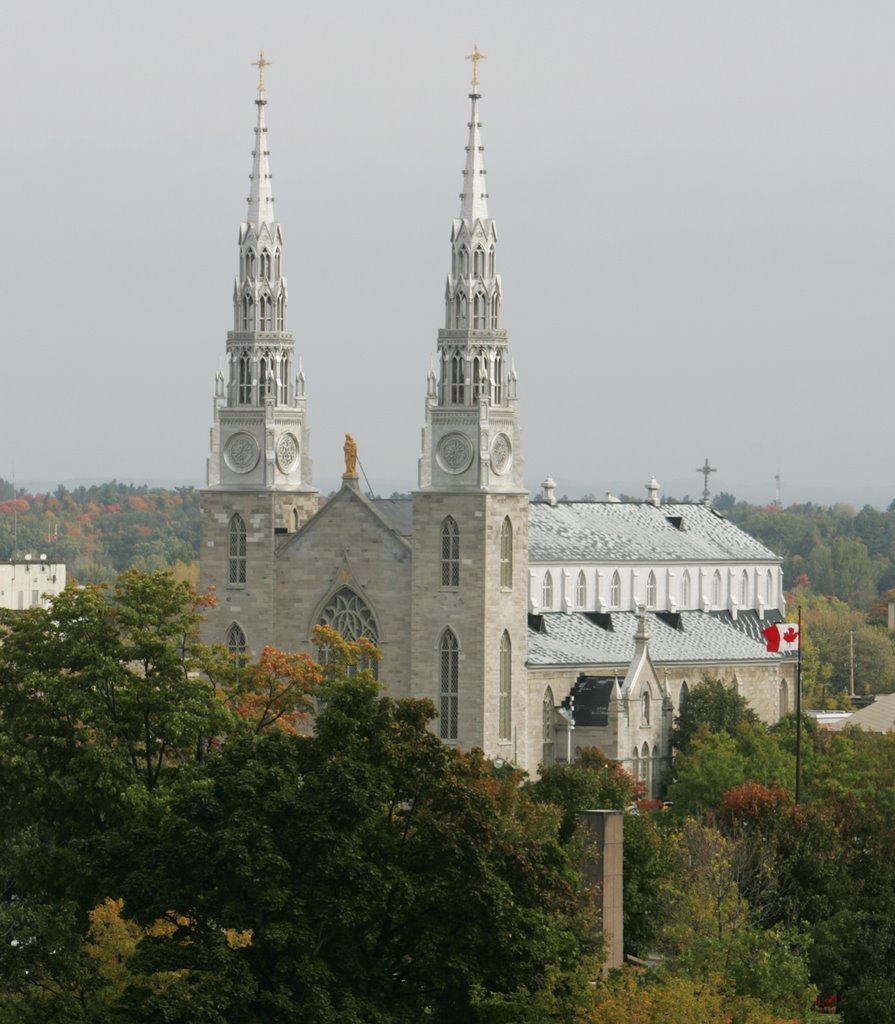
[493, 606]
[29, 582]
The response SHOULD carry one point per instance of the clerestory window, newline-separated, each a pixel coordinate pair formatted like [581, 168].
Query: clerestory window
[450, 553]
[236, 575]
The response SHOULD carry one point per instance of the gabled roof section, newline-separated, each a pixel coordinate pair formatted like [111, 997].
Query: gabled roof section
[598, 531]
[397, 512]
[575, 639]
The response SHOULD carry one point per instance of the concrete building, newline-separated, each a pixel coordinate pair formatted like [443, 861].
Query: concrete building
[493, 605]
[29, 582]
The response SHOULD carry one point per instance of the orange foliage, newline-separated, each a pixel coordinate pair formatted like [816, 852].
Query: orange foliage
[276, 690]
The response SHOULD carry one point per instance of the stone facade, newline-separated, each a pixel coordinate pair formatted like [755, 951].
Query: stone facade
[494, 607]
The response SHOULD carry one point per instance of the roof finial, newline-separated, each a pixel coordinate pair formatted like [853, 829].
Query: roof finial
[706, 470]
[261, 64]
[475, 57]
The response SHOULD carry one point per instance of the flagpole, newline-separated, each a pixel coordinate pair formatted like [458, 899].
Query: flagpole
[799, 712]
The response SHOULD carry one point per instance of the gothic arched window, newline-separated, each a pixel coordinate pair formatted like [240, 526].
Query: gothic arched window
[248, 313]
[478, 311]
[450, 553]
[284, 380]
[479, 375]
[264, 263]
[276, 264]
[685, 590]
[505, 698]
[547, 729]
[479, 263]
[498, 377]
[250, 264]
[744, 589]
[349, 615]
[448, 684]
[236, 575]
[645, 706]
[683, 696]
[281, 312]
[244, 396]
[491, 262]
[506, 554]
[651, 590]
[236, 643]
[495, 311]
[769, 598]
[266, 313]
[458, 382]
[464, 261]
[547, 591]
[716, 589]
[581, 590]
[615, 591]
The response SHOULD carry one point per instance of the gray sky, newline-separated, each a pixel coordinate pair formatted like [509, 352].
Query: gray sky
[694, 200]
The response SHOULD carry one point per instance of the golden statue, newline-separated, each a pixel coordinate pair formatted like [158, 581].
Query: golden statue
[350, 456]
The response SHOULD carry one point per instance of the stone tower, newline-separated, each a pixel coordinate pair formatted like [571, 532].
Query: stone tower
[470, 512]
[259, 470]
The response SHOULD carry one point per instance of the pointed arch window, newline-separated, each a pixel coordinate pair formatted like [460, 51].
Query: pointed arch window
[464, 261]
[458, 382]
[770, 594]
[284, 380]
[250, 263]
[248, 313]
[744, 589]
[615, 591]
[581, 590]
[645, 706]
[448, 684]
[547, 729]
[505, 701]
[244, 396]
[716, 589]
[547, 591]
[450, 553]
[498, 378]
[236, 574]
[685, 590]
[237, 644]
[478, 311]
[266, 379]
[349, 614]
[491, 262]
[683, 696]
[266, 308]
[479, 262]
[480, 382]
[646, 774]
[264, 263]
[281, 312]
[651, 590]
[506, 554]
[276, 264]
[495, 311]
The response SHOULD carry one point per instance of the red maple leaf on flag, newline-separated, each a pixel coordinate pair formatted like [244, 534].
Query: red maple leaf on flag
[791, 635]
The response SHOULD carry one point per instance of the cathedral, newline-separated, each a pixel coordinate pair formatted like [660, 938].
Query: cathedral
[536, 627]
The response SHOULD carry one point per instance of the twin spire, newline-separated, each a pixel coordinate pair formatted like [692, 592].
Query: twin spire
[474, 197]
[261, 197]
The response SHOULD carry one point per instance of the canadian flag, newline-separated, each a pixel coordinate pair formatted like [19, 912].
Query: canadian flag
[782, 638]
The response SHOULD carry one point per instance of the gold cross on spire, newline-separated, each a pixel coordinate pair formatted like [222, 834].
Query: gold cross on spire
[475, 57]
[261, 64]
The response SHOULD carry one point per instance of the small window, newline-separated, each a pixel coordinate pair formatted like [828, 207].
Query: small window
[651, 590]
[685, 590]
[506, 554]
[281, 313]
[547, 729]
[615, 591]
[581, 591]
[645, 707]
[237, 644]
[448, 684]
[450, 553]
[716, 589]
[682, 698]
[245, 380]
[769, 599]
[547, 591]
[506, 689]
[458, 389]
[237, 558]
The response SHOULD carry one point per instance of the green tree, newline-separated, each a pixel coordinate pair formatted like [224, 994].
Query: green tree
[714, 704]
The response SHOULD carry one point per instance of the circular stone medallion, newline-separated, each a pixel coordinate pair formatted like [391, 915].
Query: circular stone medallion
[501, 453]
[287, 452]
[454, 453]
[241, 453]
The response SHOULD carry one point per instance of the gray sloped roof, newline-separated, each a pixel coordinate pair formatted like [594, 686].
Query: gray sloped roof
[575, 639]
[596, 531]
[397, 512]
[876, 717]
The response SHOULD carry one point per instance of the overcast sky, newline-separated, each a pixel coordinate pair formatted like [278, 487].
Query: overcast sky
[694, 202]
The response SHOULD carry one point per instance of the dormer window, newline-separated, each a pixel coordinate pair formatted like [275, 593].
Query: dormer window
[716, 589]
[581, 590]
[651, 590]
[547, 591]
[615, 591]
